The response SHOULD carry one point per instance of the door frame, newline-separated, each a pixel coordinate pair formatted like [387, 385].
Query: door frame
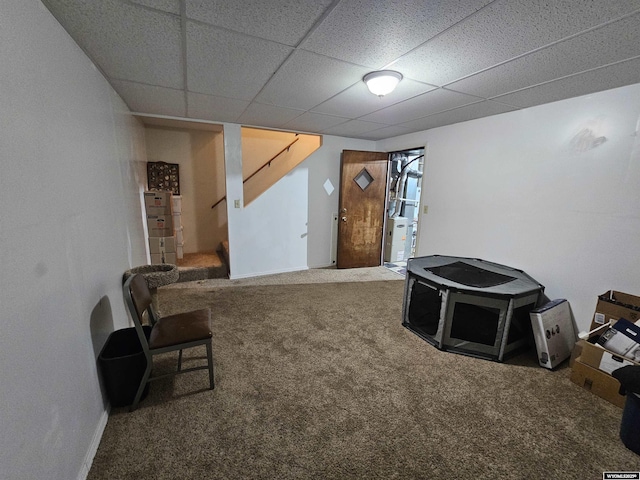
[421, 183]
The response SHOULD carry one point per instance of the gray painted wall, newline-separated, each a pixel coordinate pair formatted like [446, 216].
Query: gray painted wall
[70, 226]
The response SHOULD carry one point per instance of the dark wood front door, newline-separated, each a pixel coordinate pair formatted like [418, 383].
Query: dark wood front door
[363, 190]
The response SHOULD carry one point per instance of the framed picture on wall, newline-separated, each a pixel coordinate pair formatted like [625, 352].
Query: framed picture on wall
[163, 176]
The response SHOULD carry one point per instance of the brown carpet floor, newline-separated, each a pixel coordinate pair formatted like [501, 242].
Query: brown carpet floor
[321, 381]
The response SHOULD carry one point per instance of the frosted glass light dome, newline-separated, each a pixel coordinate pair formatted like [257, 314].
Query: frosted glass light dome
[382, 82]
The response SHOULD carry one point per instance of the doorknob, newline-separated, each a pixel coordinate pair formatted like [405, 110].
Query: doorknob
[344, 210]
[344, 219]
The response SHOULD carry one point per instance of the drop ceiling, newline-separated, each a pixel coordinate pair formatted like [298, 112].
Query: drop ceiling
[298, 64]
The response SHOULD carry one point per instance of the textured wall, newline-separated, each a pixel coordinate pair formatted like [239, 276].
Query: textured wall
[552, 190]
[72, 157]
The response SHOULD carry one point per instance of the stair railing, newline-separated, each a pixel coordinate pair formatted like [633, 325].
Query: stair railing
[267, 164]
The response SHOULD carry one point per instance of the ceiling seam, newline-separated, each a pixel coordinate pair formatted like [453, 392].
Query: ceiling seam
[471, 15]
[183, 39]
[630, 59]
[313, 27]
[556, 42]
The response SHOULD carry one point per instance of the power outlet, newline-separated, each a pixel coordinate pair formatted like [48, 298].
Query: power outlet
[425, 209]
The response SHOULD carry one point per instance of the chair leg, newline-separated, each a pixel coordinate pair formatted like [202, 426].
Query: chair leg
[180, 360]
[143, 383]
[210, 361]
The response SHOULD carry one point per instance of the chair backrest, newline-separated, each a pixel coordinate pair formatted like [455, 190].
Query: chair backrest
[138, 299]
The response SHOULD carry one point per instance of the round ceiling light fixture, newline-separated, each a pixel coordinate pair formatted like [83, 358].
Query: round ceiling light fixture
[382, 82]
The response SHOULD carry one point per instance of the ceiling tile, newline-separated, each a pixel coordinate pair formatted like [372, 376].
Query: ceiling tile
[358, 100]
[284, 21]
[577, 54]
[461, 114]
[171, 6]
[307, 79]
[613, 76]
[375, 33]
[386, 132]
[268, 115]
[151, 99]
[238, 52]
[501, 31]
[229, 64]
[218, 109]
[313, 122]
[352, 128]
[428, 103]
[127, 42]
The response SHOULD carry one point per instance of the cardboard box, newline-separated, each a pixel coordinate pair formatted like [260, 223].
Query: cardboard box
[158, 258]
[597, 382]
[160, 225]
[576, 352]
[162, 244]
[613, 305]
[157, 203]
[598, 357]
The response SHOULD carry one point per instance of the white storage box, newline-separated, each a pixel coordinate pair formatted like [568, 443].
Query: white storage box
[176, 203]
[177, 220]
[178, 233]
[553, 332]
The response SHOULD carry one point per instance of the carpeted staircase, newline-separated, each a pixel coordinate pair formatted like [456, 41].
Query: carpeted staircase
[205, 265]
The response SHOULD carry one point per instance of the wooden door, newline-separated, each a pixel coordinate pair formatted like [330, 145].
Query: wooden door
[363, 191]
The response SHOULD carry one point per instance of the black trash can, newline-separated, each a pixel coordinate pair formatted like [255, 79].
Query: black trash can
[122, 363]
[629, 378]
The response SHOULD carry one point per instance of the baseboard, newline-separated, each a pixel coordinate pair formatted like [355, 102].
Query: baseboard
[93, 447]
[271, 272]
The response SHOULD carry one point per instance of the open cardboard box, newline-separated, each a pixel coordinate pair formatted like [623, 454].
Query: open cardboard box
[613, 305]
[597, 382]
[591, 367]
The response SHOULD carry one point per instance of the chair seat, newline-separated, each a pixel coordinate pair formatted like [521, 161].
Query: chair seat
[181, 328]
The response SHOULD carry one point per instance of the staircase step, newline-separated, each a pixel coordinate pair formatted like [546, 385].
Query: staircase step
[201, 266]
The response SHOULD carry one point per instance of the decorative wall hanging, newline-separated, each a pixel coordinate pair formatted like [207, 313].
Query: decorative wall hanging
[163, 176]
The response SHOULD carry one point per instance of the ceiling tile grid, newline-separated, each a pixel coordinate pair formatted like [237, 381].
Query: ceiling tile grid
[229, 64]
[357, 100]
[298, 64]
[145, 98]
[461, 114]
[417, 107]
[260, 114]
[307, 79]
[313, 122]
[575, 55]
[502, 31]
[211, 107]
[352, 128]
[170, 6]
[604, 78]
[375, 34]
[127, 42]
[282, 21]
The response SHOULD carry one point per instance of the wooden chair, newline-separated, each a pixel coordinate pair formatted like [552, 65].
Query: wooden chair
[167, 334]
